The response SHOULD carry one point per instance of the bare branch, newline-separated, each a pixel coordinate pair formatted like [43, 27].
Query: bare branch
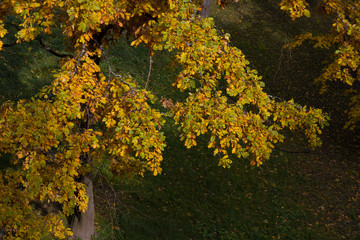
[279, 64]
[53, 52]
[78, 59]
[9, 44]
[149, 74]
[13, 25]
[194, 11]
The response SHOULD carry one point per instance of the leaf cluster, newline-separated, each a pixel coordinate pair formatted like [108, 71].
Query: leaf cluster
[345, 37]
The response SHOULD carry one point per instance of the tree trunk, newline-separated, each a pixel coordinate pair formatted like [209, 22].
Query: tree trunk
[83, 225]
[205, 11]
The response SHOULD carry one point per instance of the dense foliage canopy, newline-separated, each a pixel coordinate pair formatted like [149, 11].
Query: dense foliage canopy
[89, 115]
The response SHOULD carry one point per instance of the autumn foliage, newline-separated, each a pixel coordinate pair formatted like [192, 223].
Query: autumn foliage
[89, 114]
[345, 38]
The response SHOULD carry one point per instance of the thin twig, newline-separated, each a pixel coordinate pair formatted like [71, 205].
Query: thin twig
[279, 64]
[149, 74]
[305, 151]
[276, 97]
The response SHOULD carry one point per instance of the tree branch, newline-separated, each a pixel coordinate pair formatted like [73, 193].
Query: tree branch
[304, 151]
[149, 74]
[78, 59]
[9, 44]
[53, 52]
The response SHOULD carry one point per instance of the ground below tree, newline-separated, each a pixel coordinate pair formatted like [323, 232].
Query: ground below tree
[296, 195]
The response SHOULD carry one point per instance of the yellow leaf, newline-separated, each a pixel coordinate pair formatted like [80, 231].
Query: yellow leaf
[307, 13]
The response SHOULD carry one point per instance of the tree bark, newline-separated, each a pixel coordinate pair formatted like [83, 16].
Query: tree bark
[83, 225]
[205, 11]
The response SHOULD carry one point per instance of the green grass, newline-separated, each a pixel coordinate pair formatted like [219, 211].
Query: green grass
[135, 61]
[25, 69]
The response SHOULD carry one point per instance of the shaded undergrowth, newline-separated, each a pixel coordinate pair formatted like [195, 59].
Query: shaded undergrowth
[194, 198]
[295, 195]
